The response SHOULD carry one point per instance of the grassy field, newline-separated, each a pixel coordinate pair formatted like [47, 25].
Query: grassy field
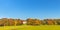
[27, 27]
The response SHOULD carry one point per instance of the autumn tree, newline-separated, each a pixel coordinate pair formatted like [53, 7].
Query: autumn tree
[18, 22]
[58, 21]
[33, 21]
[5, 21]
[11, 22]
[50, 21]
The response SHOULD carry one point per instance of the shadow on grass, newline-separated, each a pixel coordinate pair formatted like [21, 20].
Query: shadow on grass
[14, 29]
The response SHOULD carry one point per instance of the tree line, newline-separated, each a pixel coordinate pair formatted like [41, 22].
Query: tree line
[29, 21]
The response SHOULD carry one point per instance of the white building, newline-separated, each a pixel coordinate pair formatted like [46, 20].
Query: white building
[24, 22]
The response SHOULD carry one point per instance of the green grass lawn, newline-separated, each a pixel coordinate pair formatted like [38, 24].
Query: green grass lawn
[27, 27]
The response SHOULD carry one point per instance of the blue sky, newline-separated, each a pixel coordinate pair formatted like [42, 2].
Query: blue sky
[23, 9]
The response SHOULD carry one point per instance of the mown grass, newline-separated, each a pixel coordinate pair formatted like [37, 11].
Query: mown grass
[27, 27]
